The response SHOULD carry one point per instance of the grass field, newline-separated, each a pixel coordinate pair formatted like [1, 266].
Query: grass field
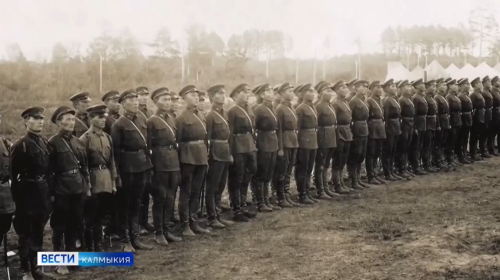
[441, 226]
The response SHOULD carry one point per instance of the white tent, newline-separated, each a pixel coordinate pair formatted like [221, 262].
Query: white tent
[435, 71]
[453, 71]
[396, 71]
[417, 73]
[484, 69]
[468, 71]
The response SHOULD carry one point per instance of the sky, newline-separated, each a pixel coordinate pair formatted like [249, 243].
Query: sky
[37, 25]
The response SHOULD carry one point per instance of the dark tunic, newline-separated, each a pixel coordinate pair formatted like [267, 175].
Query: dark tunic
[266, 125]
[478, 105]
[144, 112]
[287, 119]
[443, 112]
[495, 93]
[359, 117]
[307, 123]
[392, 116]
[68, 161]
[7, 205]
[431, 123]
[344, 120]
[241, 126]
[466, 104]
[376, 126]
[488, 105]
[421, 108]
[455, 106]
[327, 124]
[81, 124]
[218, 134]
[162, 143]
[407, 113]
[31, 174]
[129, 134]
[191, 135]
[110, 120]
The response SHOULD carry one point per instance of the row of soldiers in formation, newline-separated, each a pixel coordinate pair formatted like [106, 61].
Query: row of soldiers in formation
[102, 162]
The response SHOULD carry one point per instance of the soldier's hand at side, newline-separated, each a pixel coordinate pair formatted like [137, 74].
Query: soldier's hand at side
[89, 193]
[438, 128]
[114, 190]
[280, 152]
[52, 198]
[231, 159]
[118, 182]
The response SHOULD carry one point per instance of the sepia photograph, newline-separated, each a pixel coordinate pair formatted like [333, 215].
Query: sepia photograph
[250, 139]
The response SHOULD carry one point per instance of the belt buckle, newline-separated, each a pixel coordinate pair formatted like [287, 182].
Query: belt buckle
[38, 178]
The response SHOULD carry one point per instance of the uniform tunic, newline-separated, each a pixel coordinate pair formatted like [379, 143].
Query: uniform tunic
[478, 105]
[266, 125]
[162, 142]
[218, 134]
[287, 119]
[488, 105]
[241, 125]
[455, 106]
[495, 93]
[376, 126]
[144, 112]
[344, 120]
[431, 121]
[307, 122]
[81, 124]
[327, 124]
[421, 109]
[359, 117]
[443, 112]
[392, 115]
[110, 120]
[7, 205]
[191, 135]
[101, 160]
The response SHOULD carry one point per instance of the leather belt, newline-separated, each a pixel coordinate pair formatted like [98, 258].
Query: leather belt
[219, 141]
[266, 131]
[194, 142]
[375, 120]
[245, 133]
[407, 118]
[167, 147]
[328, 126]
[308, 129]
[72, 171]
[431, 116]
[99, 167]
[344, 125]
[466, 113]
[358, 121]
[36, 179]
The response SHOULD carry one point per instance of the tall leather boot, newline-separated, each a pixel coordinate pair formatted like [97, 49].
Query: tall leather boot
[36, 270]
[58, 246]
[259, 192]
[309, 190]
[337, 185]
[326, 187]
[89, 239]
[98, 238]
[358, 177]
[265, 192]
[353, 177]
[281, 196]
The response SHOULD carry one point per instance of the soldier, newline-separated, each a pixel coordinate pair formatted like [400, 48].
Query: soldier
[307, 123]
[296, 91]
[407, 130]
[486, 139]
[455, 118]
[81, 101]
[376, 131]
[432, 125]
[7, 206]
[357, 151]
[70, 182]
[110, 98]
[344, 136]
[478, 119]
[193, 157]
[174, 112]
[163, 146]
[463, 134]
[243, 149]
[420, 125]
[266, 125]
[352, 91]
[392, 116]
[495, 129]
[277, 96]
[133, 166]
[287, 135]
[219, 156]
[102, 169]
[327, 141]
[443, 113]
[30, 173]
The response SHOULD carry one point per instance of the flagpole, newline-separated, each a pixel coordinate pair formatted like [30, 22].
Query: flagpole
[100, 73]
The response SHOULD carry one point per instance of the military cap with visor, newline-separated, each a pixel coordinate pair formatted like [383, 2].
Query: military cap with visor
[475, 81]
[361, 83]
[61, 111]
[276, 87]
[34, 111]
[430, 82]
[351, 83]
[388, 83]
[215, 88]
[451, 82]
[495, 79]
[142, 90]
[338, 84]
[261, 88]
[319, 88]
[130, 93]
[160, 92]
[448, 79]
[463, 81]
[374, 84]
[284, 87]
[110, 95]
[97, 110]
[485, 79]
[440, 81]
[187, 89]
[297, 89]
[237, 89]
[82, 96]
[417, 82]
[403, 83]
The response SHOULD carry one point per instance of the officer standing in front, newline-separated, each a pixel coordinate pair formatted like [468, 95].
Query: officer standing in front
[495, 126]
[133, 166]
[455, 106]
[193, 158]
[407, 130]
[478, 119]
[81, 101]
[101, 162]
[30, 176]
[163, 146]
[219, 156]
[376, 131]
[486, 139]
[70, 183]
[420, 125]
[443, 113]
[431, 126]
[467, 111]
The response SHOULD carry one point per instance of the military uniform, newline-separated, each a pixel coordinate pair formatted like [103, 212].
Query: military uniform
[420, 125]
[287, 136]
[478, 121]
[133, 164]
[219, 158]
[112, 116]
[357, 151]
[81, 119]
[432, 125]
[495, 124]
[441, 136]
[392, 117]
[307, 124]
[403, 147]
[7, 206]
[463, 134]
[455, 107]
[377, 134]
[163, 146]
[485, 144]
[101, 163]
[30, 175]
[70, 184]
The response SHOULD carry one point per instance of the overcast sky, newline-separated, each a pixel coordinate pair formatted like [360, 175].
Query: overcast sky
[39, 24]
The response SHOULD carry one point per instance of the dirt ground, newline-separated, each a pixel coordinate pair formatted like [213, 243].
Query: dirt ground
[440, 226]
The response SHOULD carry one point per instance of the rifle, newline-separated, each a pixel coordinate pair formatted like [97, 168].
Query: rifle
[6, 257]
